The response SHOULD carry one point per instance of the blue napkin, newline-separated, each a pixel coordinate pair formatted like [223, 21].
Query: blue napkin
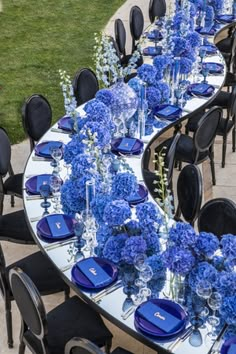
[214, 67]
[126, 144]
[152, 50]
[42, 179]
[57, 225]
[210, 49]
[225, 18]
[155, 35]
[66, 123]
[133, 197]
[168, 111]
[159, 317]
[200, 88]
[45, 149]
[232, 349]
[94, 272]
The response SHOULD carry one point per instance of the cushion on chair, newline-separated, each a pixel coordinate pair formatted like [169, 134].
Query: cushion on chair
[185, 150]
[42, 272]
[192, 123]
[73, 318]
[13, 228]
[13, 185]
[221, 126]
[120, 350]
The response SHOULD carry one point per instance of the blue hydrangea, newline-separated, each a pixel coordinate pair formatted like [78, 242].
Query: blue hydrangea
[97, 111]
[158, 268]
[164, 90]
[183, 235]
[132, 228]
[135, 83]
[180, 45]
[161, 62]
[147, 73]
[218, 262]
[185, 65]
[207, 244]
[178, 260]
[203, 271]
[113, 247]
[123, 185]
[98, 205]
[105, 96]
[194, 39]
[209, 15]
[133, 246]
[116, 212]
[228, 310]
[71, 201]
[148, 214]
[82, 164]
[103, 234]
[153, 244]
[153, 97]
[226, 283]
[217, 5]
[81, 122]
[72, 149]
[101, 131]
[228, 244]
[178, 19]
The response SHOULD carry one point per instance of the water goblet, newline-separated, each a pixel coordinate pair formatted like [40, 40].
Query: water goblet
[55, 184]
[117, 121]
[205, 72]
[89, 235]
[178, 95]
[56, 153]
[146, 275]
[204, 290]
[45, 192]
[139, 261]
[214, 302]
[202, 54]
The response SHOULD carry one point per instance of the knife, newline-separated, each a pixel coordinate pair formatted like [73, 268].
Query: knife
[58, 130]
[38, 158]
[106, 291]
[216, 345]
[59, 244]
[182, 338]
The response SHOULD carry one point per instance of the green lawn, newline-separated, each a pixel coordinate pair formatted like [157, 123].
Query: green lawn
[37, 38]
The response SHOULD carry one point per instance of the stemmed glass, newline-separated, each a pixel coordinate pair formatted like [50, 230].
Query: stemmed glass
[178, 95]
[117, 121]
[55, 184]
[202, 54]
[45, 192]
[139, 264]
[205, 72]
[204, 291]
[89, 234]
[146, 275]
[56, 153]
[214, 302]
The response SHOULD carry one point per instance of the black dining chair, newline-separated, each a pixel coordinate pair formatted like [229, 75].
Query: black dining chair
[218, 216]
[41, 270]
[199, 148]
[85, 85]
[136, 23]
[168, 149]
[226, 45]
[226, 123]
[157, 8]
[84, 346]
[11, 185]
[36, 118]
[189, 193]
[120, 37]
[49, 332]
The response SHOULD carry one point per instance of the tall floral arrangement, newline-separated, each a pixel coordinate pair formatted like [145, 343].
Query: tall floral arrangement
[70, 103]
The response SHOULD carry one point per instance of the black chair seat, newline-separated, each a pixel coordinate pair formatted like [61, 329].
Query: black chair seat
[224, 45]
[42, 271]
[67, 321]
[222, 100]
[192, 123]
[13, 185]
[221, 129]
[13, 228]
[185, 150]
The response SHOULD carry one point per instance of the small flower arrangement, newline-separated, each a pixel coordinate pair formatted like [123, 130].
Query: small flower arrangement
[68, 94]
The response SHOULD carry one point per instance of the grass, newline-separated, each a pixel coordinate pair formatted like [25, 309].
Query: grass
[37, 39]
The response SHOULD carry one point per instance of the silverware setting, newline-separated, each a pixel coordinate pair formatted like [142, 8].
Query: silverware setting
[106, 291]
[36, 197]
[215, 349]
[38, 158]
[182, 338]
[59, 244]
[36, 218]
[129, 312]
[67, 267]
[58, 130]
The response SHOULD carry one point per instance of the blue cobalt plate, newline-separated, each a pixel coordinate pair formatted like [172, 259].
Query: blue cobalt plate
[225, 18]
[169, 306]
[66, 123]
[207, 31]
[80, 279]
[168, 111]
[31, 183]
[226, 345]
[43, 149]
[210, 48]
[201, 89]
[154, 35]
[139, 197]
[152, 51]
[214, 68]
[136, 149]
[45, 232]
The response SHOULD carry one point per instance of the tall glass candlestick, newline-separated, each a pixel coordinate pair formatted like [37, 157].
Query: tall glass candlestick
[141, 111]
[90, 193]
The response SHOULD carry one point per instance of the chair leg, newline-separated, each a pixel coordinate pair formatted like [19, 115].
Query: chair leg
[233, 138]
[108, 346]
[67, 294]
[21, 348]
[212, 167]
[224, 147]
[9, 324]
[12, 201]
[1, 203]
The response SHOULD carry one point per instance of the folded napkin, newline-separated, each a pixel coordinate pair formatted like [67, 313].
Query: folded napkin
[45, 148]
[94, 272]
[42, 179]
[159, 317]
[207, 30]
[66, 123]
[168, 111]
[126, 144]
[225, 18]
[155, 34]
[232, 349]
[200, 89]
[57, 225]
[152, 50]
[214, 67]
[210, 49]
[133, 197]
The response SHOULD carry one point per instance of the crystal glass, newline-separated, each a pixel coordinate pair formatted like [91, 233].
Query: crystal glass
[55, 185]
[202, 54]
[45, 192]
[178, 95]
[146, 275]
[139, 261]
[205, 72]
[56, 153]
[204, 290]
[89, 234]
[214, 302]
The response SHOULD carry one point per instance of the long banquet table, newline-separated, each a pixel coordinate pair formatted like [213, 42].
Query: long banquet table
[63, 254]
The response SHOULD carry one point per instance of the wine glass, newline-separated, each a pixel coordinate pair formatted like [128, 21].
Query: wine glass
[204, 290]
[205, 72]
[117, 121]
[55, 184]
[145, 275]
[45, 192]
[214, 302]
[178, 95]
[56, 153]
[202, 54]
[89, 234]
